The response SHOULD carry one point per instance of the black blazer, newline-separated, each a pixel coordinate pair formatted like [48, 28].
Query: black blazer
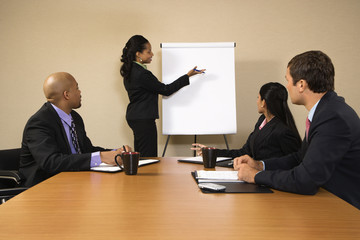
[143, 89]
[275, 139]
[45, 150]
[330, 158]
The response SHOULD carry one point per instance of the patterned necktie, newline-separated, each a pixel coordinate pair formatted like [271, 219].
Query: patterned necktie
[74, 137]
[307, 128]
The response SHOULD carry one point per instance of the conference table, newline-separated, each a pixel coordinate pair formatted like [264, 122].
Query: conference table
[163, 201]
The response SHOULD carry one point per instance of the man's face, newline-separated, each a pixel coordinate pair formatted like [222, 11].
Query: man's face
[75, 95]
[292, 90]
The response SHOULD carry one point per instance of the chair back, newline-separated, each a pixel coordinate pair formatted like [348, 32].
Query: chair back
[10, 178]
[10, 159]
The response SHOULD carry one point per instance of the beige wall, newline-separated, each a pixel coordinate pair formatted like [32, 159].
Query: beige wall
[85, 38]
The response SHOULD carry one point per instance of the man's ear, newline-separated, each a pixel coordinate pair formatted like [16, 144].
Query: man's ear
[66, 95]
[302, 85]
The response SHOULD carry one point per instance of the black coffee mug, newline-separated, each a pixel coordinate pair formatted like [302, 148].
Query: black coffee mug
[130, 162]
[209, 155]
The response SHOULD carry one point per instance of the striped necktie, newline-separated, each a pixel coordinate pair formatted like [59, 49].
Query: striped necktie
[74, 137]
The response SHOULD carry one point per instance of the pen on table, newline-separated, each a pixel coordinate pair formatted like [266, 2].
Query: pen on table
[124, 148]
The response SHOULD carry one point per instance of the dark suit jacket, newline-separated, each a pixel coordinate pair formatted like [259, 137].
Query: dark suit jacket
[143, 89]
[275, 139]
[45, 150]
[330, 158]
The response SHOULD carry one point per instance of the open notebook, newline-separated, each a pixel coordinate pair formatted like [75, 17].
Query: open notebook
[103, 167]
[216, 176]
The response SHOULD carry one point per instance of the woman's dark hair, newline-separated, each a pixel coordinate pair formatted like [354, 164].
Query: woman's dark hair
[135, 44]
[276, 96]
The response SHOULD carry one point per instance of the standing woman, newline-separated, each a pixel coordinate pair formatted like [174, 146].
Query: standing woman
[143, 89]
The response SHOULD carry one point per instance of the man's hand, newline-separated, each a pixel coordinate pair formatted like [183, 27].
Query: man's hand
[127, 149]
[247, 168]
[246, 173]
[108, 157]
[249, 161]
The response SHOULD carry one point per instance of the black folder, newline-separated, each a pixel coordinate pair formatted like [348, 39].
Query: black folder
[223, 163]
[237, 187]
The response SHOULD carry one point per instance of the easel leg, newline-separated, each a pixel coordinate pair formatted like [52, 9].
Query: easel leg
[194, 142]
[167, 141]
[226, 142]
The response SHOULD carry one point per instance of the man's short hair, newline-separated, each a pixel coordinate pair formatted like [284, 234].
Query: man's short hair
[316, 68]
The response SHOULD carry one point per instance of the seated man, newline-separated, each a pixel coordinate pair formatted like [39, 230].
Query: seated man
[330, 152]
[54, 138]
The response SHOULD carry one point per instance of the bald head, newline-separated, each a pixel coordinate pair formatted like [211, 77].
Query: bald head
[61, 89]
[56, 84]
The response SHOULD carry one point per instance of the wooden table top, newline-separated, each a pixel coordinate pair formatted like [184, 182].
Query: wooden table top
[164, 202]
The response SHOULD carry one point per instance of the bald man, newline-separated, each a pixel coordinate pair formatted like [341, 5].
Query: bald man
[47, 146]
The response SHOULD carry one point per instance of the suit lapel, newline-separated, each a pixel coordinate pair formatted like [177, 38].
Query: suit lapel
[320, 108]
[59, 124]
[263, 134]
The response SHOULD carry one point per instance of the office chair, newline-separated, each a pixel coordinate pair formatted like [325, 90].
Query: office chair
[10, 178]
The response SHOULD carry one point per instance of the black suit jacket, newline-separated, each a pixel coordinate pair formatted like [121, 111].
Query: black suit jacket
[275, 139]
[45, 150]
[330, 158]
[143, 89]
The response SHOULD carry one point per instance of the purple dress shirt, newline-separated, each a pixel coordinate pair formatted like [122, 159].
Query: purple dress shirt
[66, 121]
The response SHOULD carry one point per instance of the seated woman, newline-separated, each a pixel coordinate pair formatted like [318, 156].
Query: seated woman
[275, 133]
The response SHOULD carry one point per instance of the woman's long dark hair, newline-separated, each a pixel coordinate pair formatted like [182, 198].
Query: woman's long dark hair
[276, 96]
[135, 44]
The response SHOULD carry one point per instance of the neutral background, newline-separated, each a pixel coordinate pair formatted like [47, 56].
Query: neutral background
[85, 38]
